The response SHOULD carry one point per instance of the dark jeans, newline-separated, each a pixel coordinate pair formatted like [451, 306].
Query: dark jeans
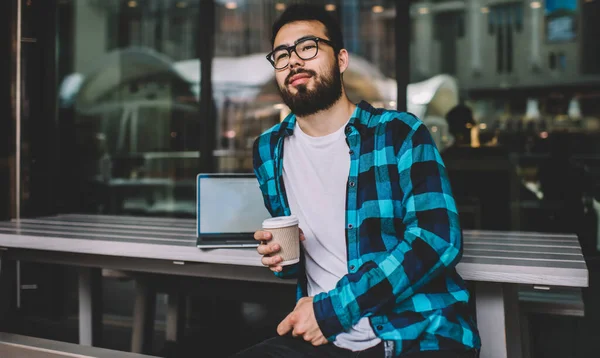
[288, 347]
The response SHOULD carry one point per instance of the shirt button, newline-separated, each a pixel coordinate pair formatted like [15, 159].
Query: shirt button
[351, 152]
[352, 268]
[352, 184]
[348, 129]
[380, 327]
[350, 226]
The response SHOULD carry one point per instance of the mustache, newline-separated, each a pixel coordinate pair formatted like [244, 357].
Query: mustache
[292, 74]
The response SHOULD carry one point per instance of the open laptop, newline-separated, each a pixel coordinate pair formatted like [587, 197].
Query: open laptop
[230, 208]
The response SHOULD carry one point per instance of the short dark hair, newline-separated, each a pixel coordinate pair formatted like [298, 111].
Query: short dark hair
[304, 12]
[459, 118]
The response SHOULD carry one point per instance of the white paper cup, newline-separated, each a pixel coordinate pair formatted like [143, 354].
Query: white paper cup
[284, 230]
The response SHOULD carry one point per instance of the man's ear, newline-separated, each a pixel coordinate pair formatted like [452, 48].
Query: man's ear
[343, 60]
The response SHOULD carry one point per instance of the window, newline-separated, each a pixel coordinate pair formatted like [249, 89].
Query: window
[129, 98]
[129, 85]
[249, 103]
[129, 92]
[529, 78]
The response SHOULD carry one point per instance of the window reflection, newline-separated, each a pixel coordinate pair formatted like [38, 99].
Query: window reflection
[132, 106]
[129, 75]
[522, 147]
[245, 92]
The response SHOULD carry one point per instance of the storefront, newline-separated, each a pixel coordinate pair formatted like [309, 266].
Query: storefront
[114, 106]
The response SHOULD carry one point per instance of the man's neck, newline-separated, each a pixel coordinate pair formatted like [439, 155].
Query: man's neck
[327, 121]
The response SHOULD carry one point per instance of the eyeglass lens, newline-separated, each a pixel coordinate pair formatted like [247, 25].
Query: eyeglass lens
[306, 50]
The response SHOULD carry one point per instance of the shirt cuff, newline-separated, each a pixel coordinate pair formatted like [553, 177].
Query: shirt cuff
[326, 316]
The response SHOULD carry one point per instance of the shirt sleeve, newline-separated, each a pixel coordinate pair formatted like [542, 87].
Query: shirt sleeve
[431, 242]
[288, 271]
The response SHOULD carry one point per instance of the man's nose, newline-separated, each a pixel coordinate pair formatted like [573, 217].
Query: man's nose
[295, 60]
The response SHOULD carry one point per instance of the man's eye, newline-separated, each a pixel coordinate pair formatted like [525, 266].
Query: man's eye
[281, 56]
[308, 47]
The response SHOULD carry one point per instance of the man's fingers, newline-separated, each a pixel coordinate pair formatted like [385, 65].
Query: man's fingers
[262, 235]
[297, 332]
[268, 249]
[318, 341]
[302, 237]
[271, 261]
[276, 268]
[285, 326]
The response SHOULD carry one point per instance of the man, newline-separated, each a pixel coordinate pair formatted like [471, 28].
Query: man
[461, 122]
[381, 234]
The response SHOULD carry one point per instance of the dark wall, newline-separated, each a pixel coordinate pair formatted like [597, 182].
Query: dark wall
[39, 134]
[38, 108]
[590, 45]
[6, 119]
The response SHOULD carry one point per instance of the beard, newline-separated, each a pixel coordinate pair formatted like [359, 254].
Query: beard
[305, 102]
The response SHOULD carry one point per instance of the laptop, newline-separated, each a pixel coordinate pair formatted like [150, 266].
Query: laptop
[230, 208]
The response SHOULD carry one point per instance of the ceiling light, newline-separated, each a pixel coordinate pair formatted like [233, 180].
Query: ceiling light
[377, 9]
[280, 6]
[231, 5]
[423, 11]
[132, 4]
[485, 10]
[330, 7]
[535, 5]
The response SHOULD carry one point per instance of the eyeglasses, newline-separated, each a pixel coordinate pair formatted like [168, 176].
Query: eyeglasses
[306, 49]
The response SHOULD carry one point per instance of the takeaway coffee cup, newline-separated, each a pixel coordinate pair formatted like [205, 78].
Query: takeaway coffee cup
[284, 230]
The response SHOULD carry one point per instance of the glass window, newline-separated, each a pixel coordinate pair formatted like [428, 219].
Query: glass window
[129, 89]
[248, 101]
[511, 100]
[129, 100]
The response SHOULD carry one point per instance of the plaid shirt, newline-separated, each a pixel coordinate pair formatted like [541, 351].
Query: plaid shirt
[402, 234]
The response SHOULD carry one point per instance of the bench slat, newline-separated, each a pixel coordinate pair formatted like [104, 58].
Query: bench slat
[100, 237]
[129, 220]
[523, 248]
[15, 345]
[524, 255]
[92, 231]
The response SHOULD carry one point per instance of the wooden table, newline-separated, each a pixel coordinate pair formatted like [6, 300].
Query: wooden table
[496, 262]
[18, 346]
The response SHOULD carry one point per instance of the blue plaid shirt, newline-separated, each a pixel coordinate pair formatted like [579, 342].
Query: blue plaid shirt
[403, 235]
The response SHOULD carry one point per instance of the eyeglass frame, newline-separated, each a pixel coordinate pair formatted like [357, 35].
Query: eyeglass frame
[292, 48]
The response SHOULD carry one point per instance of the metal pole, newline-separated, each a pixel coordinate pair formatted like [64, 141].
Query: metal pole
[206, 40]
[402, 36]
[17, 96]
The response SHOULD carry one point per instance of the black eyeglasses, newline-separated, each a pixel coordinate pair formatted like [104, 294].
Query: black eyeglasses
[305, 48]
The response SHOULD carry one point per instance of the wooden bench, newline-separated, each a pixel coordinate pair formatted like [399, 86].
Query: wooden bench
[547, 300]
[496, 263]
[560, 301]
[14, 345]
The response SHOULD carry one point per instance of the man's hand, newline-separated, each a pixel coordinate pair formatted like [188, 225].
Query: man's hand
[269, 249]
[303, 323]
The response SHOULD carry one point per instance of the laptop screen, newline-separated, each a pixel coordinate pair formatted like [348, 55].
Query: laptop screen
[229, 204]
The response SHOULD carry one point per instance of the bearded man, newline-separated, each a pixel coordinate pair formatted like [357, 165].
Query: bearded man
[380, 232]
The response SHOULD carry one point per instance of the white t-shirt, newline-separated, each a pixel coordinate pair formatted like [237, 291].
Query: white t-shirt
[315, 173]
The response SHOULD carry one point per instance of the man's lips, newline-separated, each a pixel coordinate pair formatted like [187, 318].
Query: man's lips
[299, 79]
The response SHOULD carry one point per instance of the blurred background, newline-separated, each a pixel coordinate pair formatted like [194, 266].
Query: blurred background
[123, 102]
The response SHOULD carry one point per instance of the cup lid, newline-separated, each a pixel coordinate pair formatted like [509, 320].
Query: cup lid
[280, 221]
